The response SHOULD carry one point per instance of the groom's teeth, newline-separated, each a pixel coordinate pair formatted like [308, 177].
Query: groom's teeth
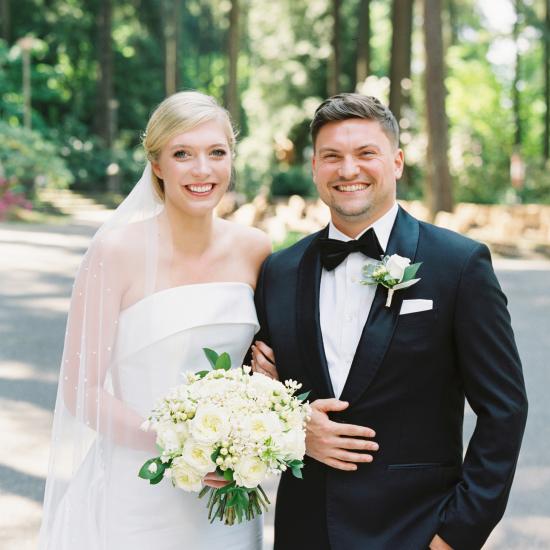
[354, 187]
[201, 188]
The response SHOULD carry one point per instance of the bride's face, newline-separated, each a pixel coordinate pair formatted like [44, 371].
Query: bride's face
[196, 168]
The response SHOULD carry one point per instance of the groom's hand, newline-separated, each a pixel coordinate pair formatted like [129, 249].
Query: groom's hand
[439, 544]
[332, 443]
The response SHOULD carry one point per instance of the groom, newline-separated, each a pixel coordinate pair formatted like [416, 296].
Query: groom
[385, 467]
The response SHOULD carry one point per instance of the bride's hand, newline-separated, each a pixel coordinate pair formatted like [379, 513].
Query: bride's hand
[214, 480]
[263, 360]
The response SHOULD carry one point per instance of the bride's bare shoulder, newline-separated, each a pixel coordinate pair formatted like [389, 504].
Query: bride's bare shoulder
[122, 245]
[250, 241]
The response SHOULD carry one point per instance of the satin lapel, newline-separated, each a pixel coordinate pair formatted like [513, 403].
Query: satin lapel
[378, 330]
[307, 320]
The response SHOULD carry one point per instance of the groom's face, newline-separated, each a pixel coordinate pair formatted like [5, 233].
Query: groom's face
[355, 170]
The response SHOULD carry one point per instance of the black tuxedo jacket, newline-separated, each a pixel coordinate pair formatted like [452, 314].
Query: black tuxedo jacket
[408, 381]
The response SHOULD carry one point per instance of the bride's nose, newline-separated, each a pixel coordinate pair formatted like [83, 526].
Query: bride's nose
[201, 166]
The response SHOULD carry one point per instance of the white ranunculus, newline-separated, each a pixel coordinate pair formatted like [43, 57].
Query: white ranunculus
[396, 266]
[292, 445]
[185, 477]
[249, 472]
[168, 437]
[198, 457]
[209, 425]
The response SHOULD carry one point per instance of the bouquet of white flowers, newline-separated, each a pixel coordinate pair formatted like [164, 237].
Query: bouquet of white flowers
[245, 427]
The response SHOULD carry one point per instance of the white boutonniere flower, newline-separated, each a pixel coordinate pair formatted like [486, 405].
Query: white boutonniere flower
[393, 272]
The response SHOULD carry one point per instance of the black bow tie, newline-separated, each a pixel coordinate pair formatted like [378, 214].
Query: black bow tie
[334, 252]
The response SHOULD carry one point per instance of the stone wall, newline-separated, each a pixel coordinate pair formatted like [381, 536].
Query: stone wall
[510, 230]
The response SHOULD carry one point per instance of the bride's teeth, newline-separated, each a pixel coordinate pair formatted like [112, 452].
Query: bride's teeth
[200, 188]
[355, 187]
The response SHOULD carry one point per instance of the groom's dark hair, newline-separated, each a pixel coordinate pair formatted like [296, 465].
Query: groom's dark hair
[346, 106]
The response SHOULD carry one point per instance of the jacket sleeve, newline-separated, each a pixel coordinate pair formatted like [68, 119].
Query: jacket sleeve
[491, 372]
[259, 300]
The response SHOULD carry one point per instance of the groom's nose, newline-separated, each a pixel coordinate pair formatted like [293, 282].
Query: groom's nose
[349, 168]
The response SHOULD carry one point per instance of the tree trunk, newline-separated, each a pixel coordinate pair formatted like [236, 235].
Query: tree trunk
[546, 147]
[439, 189]
[334, 66]
[400, 64]
[171, 39]
[103, 120]
[233, 53]
[362, 67]
[6, 20]
[517, 78]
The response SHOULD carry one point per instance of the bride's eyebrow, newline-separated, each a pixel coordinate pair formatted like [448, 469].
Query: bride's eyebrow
[187, 146]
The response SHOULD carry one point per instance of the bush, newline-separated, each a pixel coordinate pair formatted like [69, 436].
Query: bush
[12, 197]
[294, 180]
[29, 160]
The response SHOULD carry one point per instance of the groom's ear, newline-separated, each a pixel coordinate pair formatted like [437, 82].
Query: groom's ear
[398, 163]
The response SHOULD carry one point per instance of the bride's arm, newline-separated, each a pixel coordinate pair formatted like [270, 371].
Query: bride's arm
[90, 339]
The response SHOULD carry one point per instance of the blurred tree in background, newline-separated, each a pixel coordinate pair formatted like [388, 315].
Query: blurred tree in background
[99, 67]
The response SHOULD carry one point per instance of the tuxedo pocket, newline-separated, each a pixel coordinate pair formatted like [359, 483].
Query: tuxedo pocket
[415, 306]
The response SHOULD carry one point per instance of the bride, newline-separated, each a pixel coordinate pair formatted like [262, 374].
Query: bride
[161, 280]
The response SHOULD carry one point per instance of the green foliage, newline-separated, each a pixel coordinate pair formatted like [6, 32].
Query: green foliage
[293, 180]
[27, 158]
[292, 237]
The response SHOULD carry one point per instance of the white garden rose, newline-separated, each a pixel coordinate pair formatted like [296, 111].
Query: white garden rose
[249, 472]
[396, 266]
[210, 424]
[185, 477]
[292, 445]
[259, 427]
[198, 457]
[168, 437]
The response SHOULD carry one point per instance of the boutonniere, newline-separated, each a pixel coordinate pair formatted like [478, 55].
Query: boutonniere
[394, 272]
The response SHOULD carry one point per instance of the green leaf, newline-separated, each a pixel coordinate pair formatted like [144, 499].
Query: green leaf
[211, 355]
[223, 362]
[202, 373]
[228, 475]
[410, 272]
[144, 472]
[303, 396]
[156, 480]
[297, 472]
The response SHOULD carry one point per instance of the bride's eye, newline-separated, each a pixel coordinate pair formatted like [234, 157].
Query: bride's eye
[181, 154]
[220, 153]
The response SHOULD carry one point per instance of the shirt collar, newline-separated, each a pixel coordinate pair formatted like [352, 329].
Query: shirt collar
[382, 227]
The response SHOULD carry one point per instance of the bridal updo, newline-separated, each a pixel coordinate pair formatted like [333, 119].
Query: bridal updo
[177, 114]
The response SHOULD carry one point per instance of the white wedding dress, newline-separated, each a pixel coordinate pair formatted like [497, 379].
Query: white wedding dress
[158, 338]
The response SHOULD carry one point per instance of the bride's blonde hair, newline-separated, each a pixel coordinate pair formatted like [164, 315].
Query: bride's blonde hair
[177, 114]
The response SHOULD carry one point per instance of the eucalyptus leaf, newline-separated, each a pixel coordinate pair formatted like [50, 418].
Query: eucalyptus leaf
[211, 355]
[410, 272]
[303, 396]
[297, 472]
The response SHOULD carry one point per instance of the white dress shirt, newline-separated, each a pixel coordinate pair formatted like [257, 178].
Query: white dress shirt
[344, 303]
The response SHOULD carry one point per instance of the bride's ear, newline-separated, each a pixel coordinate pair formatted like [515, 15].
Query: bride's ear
[156, 169]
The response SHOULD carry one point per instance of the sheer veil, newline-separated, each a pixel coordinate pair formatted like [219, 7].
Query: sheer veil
[122, 266]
